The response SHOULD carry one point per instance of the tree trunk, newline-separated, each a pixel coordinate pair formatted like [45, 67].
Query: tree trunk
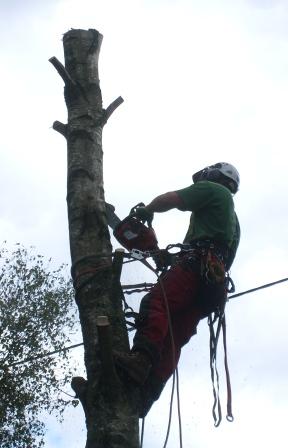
[108, 403]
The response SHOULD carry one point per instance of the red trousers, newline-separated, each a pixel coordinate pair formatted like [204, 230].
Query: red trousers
[182, 285]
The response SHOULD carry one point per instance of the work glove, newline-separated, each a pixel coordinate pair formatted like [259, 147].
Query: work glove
[143, 214]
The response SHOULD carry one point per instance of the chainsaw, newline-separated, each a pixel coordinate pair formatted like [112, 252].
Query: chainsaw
[140, 240]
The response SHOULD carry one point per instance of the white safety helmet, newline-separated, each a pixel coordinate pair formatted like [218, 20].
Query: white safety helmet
[221, 172]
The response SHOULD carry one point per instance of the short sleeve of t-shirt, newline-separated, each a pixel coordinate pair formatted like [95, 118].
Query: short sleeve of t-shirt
[196, 196]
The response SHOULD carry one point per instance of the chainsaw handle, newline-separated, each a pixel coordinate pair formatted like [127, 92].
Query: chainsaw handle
[133, 209]
[148, 218]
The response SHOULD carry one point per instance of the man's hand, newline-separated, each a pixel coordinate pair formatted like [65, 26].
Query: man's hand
[144, 215]
[160, 204]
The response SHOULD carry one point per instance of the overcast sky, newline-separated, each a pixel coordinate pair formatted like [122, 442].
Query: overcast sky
[203, 81]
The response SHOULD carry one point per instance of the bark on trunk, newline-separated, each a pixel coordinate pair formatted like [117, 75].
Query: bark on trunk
[109, 405]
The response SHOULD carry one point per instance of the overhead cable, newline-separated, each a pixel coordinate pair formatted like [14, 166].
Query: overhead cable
[43, 355]
[258, 288]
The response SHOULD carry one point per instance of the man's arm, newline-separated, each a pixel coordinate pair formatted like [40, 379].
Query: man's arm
[165, 202]
[160, 204]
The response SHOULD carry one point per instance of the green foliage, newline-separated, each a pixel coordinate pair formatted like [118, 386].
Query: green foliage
[36, 317]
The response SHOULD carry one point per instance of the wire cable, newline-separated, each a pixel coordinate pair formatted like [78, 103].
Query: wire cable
[43, 355]
[267, 285]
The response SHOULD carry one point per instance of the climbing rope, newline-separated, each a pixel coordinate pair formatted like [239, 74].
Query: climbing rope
[142, 432]
[175, 371]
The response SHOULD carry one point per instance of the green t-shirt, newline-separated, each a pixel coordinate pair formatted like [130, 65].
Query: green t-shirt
[213, 216]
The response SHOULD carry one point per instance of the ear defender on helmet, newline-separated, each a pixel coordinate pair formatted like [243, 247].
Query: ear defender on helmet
[222, 173]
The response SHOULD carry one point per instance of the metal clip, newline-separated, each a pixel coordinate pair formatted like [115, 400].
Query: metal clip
[137, 254]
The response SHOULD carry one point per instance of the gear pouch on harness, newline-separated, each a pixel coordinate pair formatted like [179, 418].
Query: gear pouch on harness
[213, 291]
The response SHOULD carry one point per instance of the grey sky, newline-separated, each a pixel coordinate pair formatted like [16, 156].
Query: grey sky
[203, 81]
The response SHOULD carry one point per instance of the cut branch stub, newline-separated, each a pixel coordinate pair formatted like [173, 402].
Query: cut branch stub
[62, 71]
[79, 385]
[106, 353]
[102, 321]
[60, 127]
[111, 108]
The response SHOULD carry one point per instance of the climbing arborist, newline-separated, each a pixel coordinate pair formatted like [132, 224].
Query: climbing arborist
[193, 287]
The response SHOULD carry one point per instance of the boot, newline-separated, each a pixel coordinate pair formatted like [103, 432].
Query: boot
[150, 392]
[136, 364]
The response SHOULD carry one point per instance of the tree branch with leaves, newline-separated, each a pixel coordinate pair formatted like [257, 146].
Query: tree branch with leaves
[37, 314]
